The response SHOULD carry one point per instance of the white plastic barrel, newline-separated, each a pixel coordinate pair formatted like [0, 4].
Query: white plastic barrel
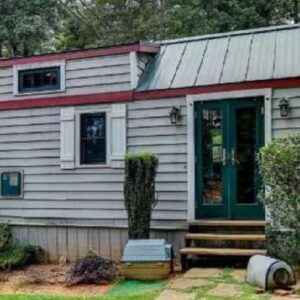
[269, 273]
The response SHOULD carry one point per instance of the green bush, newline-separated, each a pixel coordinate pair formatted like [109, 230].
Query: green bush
[280, 170]
[139, 192]
[283, 244]
[13, 255]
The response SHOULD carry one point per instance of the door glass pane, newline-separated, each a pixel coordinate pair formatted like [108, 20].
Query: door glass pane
[246, 169]
[212, 156]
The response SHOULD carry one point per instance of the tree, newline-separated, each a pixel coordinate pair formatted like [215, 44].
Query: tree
[27, 26]
[108, 22]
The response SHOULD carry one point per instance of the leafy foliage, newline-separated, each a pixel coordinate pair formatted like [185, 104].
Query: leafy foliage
[139, 192]
[284, 244]
[107, 22]
[14, 255]
[27, 26]
[91, 269]
[280, 170]
[33, 26]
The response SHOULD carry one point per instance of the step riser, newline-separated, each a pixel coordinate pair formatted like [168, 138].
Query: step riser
[227, 244]
[227, 230]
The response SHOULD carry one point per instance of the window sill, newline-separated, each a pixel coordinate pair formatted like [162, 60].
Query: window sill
[40, 93]
[95, 166]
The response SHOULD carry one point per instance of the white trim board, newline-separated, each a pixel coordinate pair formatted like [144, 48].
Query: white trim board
[191, 99]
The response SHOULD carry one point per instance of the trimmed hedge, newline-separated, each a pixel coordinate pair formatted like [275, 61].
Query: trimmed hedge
[139, 192]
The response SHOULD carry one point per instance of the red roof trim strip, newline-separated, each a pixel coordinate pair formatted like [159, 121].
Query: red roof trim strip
[127, 96]
[79, 54]
[273, 83]
[67, 100]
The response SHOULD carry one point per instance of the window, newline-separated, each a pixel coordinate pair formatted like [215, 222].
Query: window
[43, 79]
[93, 138]
[11, 184]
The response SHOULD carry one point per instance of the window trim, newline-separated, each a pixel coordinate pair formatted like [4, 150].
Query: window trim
[62, 72]
[78, 138]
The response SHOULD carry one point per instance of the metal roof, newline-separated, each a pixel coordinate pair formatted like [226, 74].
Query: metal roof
[242, 56]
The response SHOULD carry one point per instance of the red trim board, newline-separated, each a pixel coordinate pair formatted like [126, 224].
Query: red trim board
[67, 100]
[126, 96]
[89, 53]
[273, 83]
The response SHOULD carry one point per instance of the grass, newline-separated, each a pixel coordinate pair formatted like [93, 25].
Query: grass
[146, 296]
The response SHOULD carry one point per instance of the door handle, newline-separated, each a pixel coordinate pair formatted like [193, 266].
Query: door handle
[234, 161]
[224, 157]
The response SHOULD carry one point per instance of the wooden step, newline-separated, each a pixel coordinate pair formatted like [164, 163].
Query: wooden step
[228, 223]
[222, 251]
[225, 237]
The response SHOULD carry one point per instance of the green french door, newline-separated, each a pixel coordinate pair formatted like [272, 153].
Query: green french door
[228, 135]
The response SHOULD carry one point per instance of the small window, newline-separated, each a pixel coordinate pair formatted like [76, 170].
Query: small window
[35, 80]
[11, 184]
[93, 138]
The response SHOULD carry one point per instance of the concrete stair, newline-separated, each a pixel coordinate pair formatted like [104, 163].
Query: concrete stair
[220, 238]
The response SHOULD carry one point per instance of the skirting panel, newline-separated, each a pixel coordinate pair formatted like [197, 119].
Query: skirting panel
[76, 242]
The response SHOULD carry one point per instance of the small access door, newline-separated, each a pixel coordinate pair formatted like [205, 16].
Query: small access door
[228, 135]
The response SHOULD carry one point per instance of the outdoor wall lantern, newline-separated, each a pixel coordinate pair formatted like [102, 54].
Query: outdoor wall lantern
[174, 115]
[284, 107]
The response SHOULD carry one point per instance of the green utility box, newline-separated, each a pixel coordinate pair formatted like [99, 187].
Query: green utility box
[11, 184]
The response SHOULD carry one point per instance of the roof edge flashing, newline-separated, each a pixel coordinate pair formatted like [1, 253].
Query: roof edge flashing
[230, 34]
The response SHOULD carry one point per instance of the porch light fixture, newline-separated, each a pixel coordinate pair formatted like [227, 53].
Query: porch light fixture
[284, 107]
[174, 115]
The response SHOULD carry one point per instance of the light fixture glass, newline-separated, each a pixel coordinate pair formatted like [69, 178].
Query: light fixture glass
[174, 115]
[284, 107]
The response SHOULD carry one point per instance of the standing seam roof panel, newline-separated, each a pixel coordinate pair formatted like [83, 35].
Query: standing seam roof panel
[251, 55]
[261, 60]
[236, 63]
[190, 63]
[287, 59]
[210, 72]
[168, 66]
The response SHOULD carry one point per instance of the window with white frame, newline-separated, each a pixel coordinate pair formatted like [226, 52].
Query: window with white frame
[39, 78]
[93, 137]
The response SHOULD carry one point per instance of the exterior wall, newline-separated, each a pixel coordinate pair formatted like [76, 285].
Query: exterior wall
[83, 76]
[30, 141]
[149, 129]
[62, 207]
[291, 124]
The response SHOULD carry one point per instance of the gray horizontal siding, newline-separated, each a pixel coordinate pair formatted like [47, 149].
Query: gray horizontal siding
[30, 141]
[287, 125]
[149, 129]
[83, 76]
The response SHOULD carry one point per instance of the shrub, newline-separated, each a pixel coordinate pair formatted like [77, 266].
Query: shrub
[13, 255]
[91, 269]
[280, 169]
[139, 192]
[283, 244]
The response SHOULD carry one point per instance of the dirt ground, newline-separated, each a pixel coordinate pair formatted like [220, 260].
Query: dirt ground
[45, 280]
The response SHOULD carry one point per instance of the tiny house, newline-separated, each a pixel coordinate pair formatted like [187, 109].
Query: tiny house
[204, 105]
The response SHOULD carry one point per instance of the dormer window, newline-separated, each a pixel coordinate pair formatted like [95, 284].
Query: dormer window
[45, 79]
[39, 78]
